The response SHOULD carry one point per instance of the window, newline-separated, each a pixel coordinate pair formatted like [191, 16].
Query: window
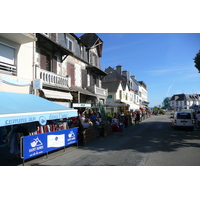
[69, 44]
[45, 60]
[120, 94]
[94, 59]
[7, 59]
[82, 52]
[183, 116]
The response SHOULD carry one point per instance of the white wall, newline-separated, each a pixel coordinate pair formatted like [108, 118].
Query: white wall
[24, 64]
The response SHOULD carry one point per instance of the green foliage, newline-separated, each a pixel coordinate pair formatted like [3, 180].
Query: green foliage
[102, 111]
[197, 61]
[162, 112]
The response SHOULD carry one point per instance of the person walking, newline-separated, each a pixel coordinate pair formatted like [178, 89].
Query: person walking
[198, 120]
[137, 118]
[121, 124]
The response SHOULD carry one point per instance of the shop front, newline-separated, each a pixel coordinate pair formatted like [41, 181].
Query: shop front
[38, 125]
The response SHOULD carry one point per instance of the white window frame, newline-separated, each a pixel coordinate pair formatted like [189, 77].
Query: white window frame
[5, 65]
[68, 40]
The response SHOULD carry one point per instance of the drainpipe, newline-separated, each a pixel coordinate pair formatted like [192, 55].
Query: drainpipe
[78, 96]
[33, 90]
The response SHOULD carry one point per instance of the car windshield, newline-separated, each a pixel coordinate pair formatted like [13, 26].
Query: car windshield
[183, 116]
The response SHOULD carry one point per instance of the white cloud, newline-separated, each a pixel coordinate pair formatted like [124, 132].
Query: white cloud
[165, 71]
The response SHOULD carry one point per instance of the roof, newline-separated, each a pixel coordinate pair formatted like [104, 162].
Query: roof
[114, 78]
[82, 91]
[18, 108]
[91, 40]
[112, 86]
[96, 70]
[113, 75]
[184, 97]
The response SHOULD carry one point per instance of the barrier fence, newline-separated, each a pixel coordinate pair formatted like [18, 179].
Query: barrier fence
[35, 145]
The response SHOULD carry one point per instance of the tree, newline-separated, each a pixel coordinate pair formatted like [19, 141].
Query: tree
[197, 61]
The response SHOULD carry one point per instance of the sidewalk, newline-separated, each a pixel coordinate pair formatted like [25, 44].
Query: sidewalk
[6, 159]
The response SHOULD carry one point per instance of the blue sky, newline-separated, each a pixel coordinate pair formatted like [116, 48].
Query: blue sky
[164, 61]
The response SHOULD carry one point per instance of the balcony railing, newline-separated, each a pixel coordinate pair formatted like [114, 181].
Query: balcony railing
[97, 90]
[52, 79]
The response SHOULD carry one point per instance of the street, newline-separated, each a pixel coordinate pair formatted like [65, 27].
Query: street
[151, 143]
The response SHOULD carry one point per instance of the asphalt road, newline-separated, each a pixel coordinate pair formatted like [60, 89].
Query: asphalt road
[151, 143]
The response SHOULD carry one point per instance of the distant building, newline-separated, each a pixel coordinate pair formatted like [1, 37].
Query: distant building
[125, 89]
[184, 101]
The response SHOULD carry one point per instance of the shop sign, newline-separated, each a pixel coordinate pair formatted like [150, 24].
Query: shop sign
[35, 145]
[82, 105]
[16, 82]
[42, 119]
[37, 84]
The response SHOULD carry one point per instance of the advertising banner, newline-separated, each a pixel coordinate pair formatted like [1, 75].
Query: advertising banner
[35, 145]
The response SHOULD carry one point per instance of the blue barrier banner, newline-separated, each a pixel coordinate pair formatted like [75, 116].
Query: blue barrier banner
[35, 145]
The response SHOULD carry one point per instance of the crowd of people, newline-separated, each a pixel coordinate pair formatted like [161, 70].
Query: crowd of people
[118, 121]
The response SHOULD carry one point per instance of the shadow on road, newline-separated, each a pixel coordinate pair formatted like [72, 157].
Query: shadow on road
[148, 137]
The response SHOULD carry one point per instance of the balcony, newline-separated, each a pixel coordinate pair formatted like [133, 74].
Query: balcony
[20, 38]
[98, 91]
[52, 79]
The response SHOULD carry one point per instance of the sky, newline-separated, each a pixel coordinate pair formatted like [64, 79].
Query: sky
[164, 61]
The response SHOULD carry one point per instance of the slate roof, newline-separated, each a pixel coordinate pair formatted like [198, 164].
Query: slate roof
[113, 79]
[112, 86]
[91, 39]
[112, 74]
[184, 97]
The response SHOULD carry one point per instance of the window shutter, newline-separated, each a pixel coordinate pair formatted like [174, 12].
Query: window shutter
[97, 81]
[84, 78]
[71, 73]
[91, 80]
[43, 60]
[54, 64]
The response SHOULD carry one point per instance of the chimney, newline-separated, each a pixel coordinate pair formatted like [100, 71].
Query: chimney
[126, 74]
[119, 69]
[133, 77]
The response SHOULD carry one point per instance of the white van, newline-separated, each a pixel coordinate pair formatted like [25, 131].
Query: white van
[183, 119]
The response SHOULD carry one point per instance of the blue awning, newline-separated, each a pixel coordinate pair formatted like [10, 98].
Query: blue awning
[18, 108]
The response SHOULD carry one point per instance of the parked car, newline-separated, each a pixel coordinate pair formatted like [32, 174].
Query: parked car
[183, 119]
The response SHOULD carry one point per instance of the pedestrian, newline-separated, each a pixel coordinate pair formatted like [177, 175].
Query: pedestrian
[137, 117]
[198, 120]
[121, 124]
